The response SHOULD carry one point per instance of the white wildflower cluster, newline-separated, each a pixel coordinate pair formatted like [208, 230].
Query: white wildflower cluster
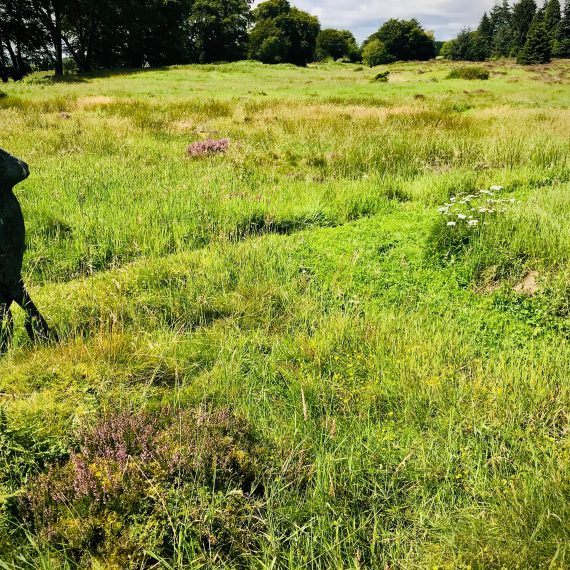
[471, 210]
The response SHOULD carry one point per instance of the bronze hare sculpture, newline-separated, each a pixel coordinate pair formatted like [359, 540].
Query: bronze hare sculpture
[12, 245]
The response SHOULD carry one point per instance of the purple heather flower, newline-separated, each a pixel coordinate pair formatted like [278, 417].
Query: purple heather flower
[207, 147]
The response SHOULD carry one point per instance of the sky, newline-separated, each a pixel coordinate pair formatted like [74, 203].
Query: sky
[363, 17]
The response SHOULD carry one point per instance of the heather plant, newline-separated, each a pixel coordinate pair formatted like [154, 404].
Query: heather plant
[122, 486]
[208, 147]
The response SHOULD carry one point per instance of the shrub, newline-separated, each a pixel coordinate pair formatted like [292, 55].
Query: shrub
[381, 77]
[118, 495]
[375, 53]
[470, 72]
[208, 147]
[3, 94]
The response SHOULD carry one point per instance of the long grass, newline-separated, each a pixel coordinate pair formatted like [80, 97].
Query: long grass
[407, 397]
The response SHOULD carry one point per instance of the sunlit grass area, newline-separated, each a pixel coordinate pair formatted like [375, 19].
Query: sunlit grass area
[284, 356]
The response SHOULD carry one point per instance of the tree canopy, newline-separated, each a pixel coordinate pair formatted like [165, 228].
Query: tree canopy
[337, 44]
[510, 31]
[283, 34]
[102, 34]
[405, 40]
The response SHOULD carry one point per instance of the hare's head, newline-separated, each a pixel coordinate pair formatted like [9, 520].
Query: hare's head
[12, 170]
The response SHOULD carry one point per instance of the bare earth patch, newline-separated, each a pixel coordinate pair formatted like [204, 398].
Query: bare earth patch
[529, 285]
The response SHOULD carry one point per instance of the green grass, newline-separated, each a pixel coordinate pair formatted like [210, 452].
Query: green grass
[363, 384]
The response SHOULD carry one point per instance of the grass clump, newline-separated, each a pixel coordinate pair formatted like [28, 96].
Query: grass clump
[470, 72]
[382, 77]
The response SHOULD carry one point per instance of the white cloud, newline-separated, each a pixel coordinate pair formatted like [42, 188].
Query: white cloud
[445, 17]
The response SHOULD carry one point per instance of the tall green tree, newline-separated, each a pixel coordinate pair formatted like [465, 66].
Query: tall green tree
[501, 17]
[537, 48]
[21, 39]
[468, 46]
[561, 42]
[127, 33]
[552, 23]
[218, 29]
[552, 17]
[337, 44]
[405, 40]
[485, 35]
[49, 14]
[375, 53]
[283, 34]
[524, 12]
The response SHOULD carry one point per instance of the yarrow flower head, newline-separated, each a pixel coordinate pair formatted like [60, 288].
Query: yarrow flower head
[462, 208]
[208, 147]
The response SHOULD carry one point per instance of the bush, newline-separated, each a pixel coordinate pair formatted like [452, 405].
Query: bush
[375, 53]
[381, 77]
[118, 495]
[471, 72]
[3, 94]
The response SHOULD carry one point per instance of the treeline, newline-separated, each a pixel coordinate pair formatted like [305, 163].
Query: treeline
[88, 35]
[525, 31]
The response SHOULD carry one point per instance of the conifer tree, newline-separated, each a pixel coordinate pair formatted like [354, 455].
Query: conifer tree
[561, 46]
[502, 34]
[500, 15]
[524, 12]
[552, 17]
[485, 35]
[537, 48]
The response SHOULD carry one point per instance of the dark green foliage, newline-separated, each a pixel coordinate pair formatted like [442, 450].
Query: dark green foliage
[552, 16]
[405, 40]
[537, 48]
[469, 72]
[110, 33]
[337, 44]
[218, 29]
[485, 36]
[21, 39]
[501, 17]
[382, 77]
[561, 42]
[283, 34]
[506, 32]
[502, 42]
[375, 53]
[522, 18]
[468, 46]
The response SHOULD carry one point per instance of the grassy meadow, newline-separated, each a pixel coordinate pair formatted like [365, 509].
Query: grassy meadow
[285, 356]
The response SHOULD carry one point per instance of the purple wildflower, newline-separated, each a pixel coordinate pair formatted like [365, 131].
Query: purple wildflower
[208, 147]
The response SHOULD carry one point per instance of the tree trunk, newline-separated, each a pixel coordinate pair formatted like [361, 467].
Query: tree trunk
[57, 44]
[3, 72]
